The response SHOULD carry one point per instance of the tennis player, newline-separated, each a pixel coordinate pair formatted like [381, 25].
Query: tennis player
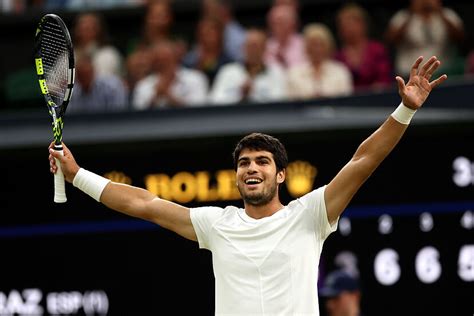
[265, 256]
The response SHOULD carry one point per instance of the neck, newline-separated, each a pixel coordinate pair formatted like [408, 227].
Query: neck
[357, 42]
[283, 39]
[254, 68]
[156, 35]
[210, 50]
[261, 211]
[317, 63]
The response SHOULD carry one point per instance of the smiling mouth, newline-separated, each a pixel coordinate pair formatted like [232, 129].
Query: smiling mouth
[253, 181]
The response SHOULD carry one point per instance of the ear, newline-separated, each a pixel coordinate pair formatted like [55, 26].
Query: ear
[281, 176]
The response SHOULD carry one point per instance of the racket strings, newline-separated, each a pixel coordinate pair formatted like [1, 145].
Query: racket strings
[55, 58]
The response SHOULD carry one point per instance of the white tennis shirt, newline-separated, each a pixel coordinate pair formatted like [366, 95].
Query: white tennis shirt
[265, 266]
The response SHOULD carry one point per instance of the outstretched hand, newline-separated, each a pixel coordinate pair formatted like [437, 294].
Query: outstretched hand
[415, 92]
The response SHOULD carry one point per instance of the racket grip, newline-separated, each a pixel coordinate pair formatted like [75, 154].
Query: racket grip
[59, 185]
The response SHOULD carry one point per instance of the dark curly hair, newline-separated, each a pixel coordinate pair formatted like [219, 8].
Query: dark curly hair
[260, 141]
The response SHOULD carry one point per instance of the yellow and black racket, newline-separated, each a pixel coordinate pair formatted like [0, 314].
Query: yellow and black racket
[54, 60]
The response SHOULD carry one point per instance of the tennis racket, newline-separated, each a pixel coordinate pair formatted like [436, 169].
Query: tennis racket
[54, 60]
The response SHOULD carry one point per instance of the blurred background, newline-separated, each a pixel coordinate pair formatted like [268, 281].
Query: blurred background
[165, 89]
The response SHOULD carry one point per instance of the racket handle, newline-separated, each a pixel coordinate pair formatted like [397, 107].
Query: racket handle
[59, 185]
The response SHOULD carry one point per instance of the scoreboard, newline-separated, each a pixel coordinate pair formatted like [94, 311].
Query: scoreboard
[408, 233]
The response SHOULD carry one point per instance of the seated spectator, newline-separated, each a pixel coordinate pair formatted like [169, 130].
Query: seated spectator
[293, 3]
[169, 85]
[13, 6]
[95, 92]
[368, 60]
[321, 76]
[342, 294]
[90, 37]
[426, 28]
[156, 25]
[285, 46]
[208, 53]
[252, 80]
[138, 66]
[234, 33]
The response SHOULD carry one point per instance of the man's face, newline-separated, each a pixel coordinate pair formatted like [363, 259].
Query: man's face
[350, 24]
[257, 177]
[255, 44]
[164, 58]
[344, 304]
[158, 17]
[282, 21]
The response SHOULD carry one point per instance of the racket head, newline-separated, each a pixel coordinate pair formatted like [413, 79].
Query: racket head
[54, 61]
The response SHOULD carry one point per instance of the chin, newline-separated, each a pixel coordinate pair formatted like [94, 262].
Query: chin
[256, 199]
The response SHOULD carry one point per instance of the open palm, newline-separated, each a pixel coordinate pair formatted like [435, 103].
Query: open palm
[416, 91]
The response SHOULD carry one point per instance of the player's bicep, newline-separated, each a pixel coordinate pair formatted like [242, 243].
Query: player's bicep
[340, 191]
[172, 216]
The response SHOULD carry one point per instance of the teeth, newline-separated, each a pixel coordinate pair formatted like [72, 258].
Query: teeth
[252, 181]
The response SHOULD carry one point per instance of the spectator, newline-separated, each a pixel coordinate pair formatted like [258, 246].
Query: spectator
[157, 24]
[251, 80]
[342, 294]
[96, 92]
[90, 37]
[294, 3]
[426, 28]
[368, 60]
[89, 4]
[285, 46]
[169, 85]
[12, 6]
[322, 76]
[138, 66]
[208, 54]
[234, 33]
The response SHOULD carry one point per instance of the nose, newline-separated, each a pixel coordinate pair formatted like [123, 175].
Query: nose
[252, 167]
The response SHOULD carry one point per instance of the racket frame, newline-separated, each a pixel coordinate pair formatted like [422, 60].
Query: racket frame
[56, 111]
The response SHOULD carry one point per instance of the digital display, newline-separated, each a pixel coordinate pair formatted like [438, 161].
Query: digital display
[408, 233]
[421, 255]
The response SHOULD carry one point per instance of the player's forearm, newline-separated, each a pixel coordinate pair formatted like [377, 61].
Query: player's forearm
[120, 197]
[378, 146]
[127, 199]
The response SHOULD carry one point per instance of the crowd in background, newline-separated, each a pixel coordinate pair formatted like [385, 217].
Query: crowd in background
[228, 63]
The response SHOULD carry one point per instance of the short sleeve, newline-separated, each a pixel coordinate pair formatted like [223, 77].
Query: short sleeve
[314, 202]
[453, 17]
[202, 219]
[399, 18]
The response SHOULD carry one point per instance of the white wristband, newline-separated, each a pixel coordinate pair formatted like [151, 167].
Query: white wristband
[90, 183]
[403, 114]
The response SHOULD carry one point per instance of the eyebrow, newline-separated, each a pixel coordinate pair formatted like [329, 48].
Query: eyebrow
[256, 158]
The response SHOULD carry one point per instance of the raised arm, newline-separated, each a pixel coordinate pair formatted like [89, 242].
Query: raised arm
[124, 198]
[377, 146]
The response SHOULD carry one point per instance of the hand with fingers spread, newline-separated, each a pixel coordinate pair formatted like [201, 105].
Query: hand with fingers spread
[68, 163]
[415, 92]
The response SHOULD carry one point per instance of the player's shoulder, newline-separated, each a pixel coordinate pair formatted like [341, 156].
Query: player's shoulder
[214, 215]
[216, 210]
[308, 198]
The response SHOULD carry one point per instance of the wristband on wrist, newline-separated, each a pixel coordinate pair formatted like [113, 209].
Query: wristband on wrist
[90, 183]
[403, 114]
